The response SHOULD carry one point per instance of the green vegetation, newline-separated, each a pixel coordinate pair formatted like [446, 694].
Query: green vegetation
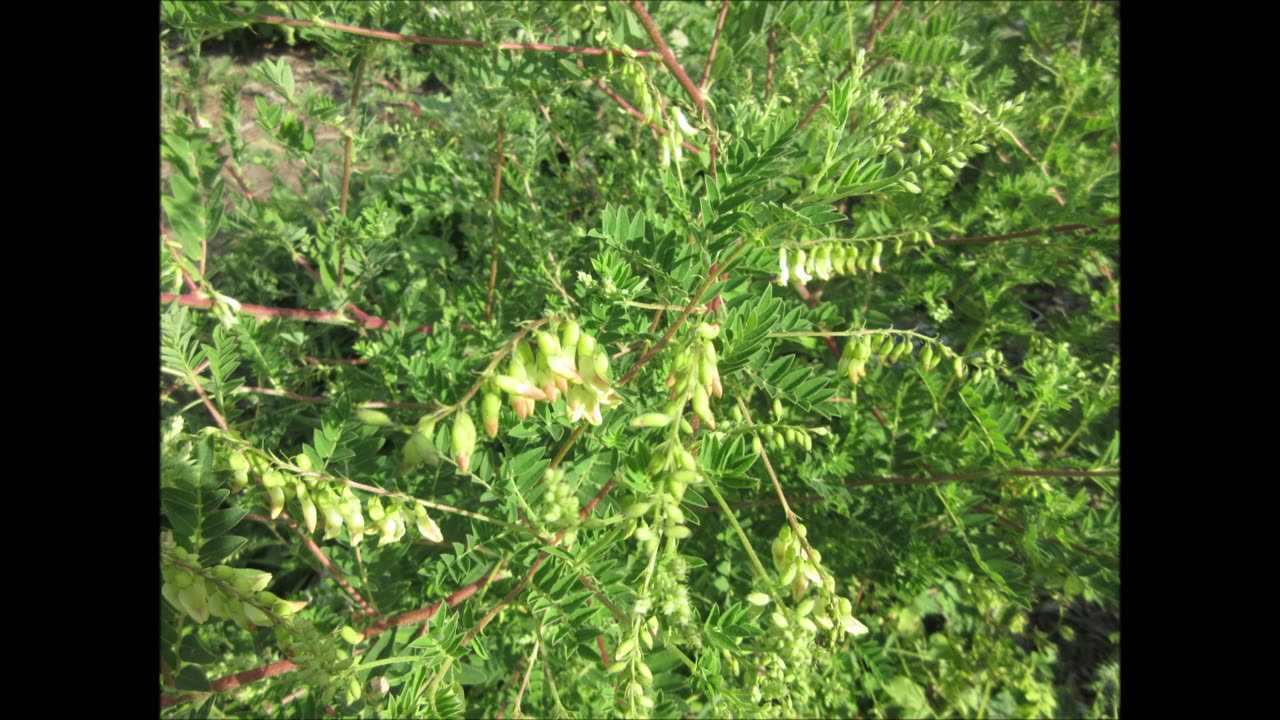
[642, 359]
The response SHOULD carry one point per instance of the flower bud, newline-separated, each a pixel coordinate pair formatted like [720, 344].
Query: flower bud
[463, 437]
[427, 526]
[851, 260]
[926, 357]
[875, 254]
[784, 272]
[798, 266]
[759, 599]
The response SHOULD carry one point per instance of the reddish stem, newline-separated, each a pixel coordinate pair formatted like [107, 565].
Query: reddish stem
[421, 40]
[711, 54]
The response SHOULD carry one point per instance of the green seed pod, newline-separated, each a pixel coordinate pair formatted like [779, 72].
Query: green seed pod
[957, 364]
[569, 334]
[946, 172]
[903, 348]
[926, 148]
[926, 357]
[195, 600]
[875, 255]
[702, 407]
[624, 649]
[910, 187]
[759, 599]
[463, 437]
[778, 619]
[308, 511]
[851, 260]
[490, 404]
[680, 532]
[805, 607]
[374, 418]
[277, 501]
[419, 448]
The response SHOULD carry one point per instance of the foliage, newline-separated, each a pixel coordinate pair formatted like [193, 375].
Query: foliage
[492, 369]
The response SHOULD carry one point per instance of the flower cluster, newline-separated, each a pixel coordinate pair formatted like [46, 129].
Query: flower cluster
[570, 364]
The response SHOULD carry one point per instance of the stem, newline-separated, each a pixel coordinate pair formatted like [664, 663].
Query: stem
[669, 59]
[497, 188]
[711, 54]
[712, 277]
[768, 73]
[756, 567]
[764, 455]
[422, 40]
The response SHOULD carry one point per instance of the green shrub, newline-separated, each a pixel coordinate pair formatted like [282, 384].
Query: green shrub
[639, 359]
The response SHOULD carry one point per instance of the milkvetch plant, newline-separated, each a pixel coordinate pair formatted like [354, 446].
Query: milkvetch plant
[638, 359]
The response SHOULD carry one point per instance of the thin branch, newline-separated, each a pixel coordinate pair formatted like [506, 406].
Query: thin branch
[711, 54]
[768, 73]
[712, 278]
[346, 158]
[932, 480]
[198, 369]
[324, 559]
[421, 40]
[669, 59]
[361, 315]
[533, 658]
[497, 188]
[1024, 233]
[328, 317]
[528, 576]
[875, 29]
[1044, 171]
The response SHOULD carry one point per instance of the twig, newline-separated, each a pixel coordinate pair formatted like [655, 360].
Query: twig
[933, 480]
[669, 59]
[1017, 141]
[764, 455]
[196, 371]
[712, 278]
[1024, 233]
[528, 576]
[346, 160]
[421, 40]
[875, 29]
[328, 317]
[711, 54]
[768, 73]
[533, 658]
[497, 188]
[324, 559]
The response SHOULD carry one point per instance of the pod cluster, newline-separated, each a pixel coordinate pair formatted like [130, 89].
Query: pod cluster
[236, 594]
[696, 369]
[826, 261]
[321, 507]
